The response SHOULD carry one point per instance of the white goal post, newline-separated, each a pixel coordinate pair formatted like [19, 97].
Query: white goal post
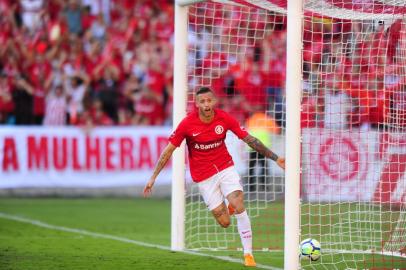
[179, 112]
[292, 135]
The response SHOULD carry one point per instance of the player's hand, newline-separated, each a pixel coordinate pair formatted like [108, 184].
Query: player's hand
[148, 187]
[281, 162]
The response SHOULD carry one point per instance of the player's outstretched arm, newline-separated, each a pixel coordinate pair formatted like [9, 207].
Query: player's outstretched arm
[258, 146]
[163, 159]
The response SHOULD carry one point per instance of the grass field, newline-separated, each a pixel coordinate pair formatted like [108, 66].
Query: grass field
[104, 234]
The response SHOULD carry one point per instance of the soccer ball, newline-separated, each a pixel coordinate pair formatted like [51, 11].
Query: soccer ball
[310, 248]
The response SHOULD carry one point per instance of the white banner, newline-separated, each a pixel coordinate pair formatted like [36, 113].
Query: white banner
[69, 157]
[337, 165]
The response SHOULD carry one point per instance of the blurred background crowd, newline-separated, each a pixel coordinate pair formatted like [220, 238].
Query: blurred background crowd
[110, 62]
[74, 62]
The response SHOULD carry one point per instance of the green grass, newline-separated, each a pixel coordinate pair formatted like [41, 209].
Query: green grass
[27, 246]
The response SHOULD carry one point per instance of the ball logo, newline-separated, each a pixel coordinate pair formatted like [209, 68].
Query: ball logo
[219, 129]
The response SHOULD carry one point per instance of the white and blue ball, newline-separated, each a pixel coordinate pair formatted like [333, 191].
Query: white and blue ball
[310, 248]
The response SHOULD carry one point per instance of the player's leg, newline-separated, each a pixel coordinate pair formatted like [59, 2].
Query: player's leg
[214, 199]
[220, 213]
[236, 199]
[230, 208]
[231, 187]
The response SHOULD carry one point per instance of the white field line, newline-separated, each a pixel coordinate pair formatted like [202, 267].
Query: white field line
[120, 239]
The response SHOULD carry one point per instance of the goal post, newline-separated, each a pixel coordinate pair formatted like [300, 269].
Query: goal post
[180, 86]
[292, 135]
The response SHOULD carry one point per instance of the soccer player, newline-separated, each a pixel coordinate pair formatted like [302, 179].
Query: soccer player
[211, 165]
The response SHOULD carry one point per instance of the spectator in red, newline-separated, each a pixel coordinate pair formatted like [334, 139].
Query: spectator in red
[213, 72]
[236, 105]
[252, 86]
[40, 76]
[362, 95]
[6, 36]
[56, 28]
[125, 117]
[98, 115]
[274, 63]
[311, 110]
[8, 8]
[155, 82]
[87, 18]
[147, 105]
[93, 59]
[397, 116]
[162, 26]
[148, 110]
[11, 67]
[94, 116]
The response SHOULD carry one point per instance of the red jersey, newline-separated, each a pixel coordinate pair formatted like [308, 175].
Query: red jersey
[208, 153]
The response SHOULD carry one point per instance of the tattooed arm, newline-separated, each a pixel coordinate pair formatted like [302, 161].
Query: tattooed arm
[163, 159]
[258, 146]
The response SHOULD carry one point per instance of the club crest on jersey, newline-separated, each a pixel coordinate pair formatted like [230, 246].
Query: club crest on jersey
[219, 129]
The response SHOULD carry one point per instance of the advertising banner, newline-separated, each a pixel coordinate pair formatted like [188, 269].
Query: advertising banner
[72, 157]
[336, 165]
[345, 165]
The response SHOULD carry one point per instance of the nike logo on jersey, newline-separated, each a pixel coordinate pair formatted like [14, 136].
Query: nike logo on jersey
[195, 134]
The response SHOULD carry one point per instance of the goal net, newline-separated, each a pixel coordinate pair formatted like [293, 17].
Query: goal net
[353, 124]
[226, 47]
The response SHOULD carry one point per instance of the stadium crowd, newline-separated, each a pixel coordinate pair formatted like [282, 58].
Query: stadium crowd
[75, 62]
[109, 62]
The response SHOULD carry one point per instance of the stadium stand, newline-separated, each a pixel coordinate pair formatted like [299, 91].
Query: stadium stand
[110, 63]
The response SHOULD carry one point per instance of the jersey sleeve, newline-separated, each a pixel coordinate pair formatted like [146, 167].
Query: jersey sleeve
[235, 127]
[178, 135]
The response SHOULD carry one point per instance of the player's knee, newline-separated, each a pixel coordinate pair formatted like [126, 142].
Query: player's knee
[239, 208]
[224, 223]
[223, 220]
[238, 205]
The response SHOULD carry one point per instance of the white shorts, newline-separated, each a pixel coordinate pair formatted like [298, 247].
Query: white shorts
[219, 186]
